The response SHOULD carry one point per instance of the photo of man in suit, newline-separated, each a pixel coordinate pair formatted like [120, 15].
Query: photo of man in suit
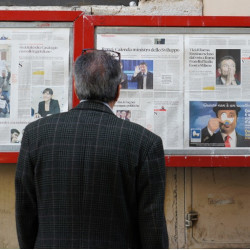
[225, 122]
[227, 71]
[143, 77]
[88, 179]
[123, 114]
[14, 135]
[124, 80]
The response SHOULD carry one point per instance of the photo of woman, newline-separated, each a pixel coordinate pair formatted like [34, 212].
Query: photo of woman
[49, 106]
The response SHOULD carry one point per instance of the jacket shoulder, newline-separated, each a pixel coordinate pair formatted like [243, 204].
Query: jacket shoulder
[138, 132]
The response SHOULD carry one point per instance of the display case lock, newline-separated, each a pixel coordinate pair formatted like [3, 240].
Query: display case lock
[190, 217]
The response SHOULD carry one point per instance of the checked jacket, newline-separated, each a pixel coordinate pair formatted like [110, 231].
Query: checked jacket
[87, 179]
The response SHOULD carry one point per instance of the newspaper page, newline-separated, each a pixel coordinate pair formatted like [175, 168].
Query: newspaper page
[217, 88]
[34, 78]
[152, 82]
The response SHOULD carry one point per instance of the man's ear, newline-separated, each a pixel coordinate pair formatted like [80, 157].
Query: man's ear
[219, 70]
[112, 103]
[74, 87]
[118, 92]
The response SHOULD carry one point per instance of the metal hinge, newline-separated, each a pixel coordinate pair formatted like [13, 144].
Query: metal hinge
[190, 217]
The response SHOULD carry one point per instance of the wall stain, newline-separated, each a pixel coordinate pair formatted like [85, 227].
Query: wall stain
[220, 201]
[4, 211]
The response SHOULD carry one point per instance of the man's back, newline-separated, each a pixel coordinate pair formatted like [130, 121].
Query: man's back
[98, 182]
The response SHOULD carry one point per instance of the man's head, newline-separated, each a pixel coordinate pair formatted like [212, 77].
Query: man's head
[228, 113]
[14, 135]
[118, 113]
[143, 68]
[97, 76]
[226, 66]
[123, 114]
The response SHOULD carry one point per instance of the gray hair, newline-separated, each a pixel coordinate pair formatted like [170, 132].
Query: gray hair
[97, 76]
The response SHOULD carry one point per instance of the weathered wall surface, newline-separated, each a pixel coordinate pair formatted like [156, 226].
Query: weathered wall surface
[145, 7]
[8, 237]
[226, 7]
[156, 7]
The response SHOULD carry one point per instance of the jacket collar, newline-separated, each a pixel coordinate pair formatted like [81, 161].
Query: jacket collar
[93, 105]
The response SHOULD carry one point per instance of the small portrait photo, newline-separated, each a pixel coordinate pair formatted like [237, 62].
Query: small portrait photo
[228, 67]
[14, 135]
[124, 114]
[46, 101]
[137, 74]
[3, 37]
[159, 41]
[5, 80]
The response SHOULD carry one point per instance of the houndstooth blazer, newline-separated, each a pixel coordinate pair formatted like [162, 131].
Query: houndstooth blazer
[87, 179]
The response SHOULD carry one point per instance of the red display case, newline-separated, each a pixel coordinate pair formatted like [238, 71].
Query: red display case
[184, 159]
[44, 19]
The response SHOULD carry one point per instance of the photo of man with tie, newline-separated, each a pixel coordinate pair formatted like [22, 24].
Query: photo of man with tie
[143, 77]
[220, 131]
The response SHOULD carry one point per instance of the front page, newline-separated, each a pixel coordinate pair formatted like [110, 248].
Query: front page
[34, 66]
[153, 97]
[216, 73]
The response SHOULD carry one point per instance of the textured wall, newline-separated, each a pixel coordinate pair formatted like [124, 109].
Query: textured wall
[145, 7]
[226, 7]
[155, 7]
[8, 237]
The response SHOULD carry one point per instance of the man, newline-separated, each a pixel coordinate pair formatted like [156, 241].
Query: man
[143, 77]
[5, 81]
[227, 70]
[124, 115]
[225, 121]
[124, 79]
[5, 84]
[87, 179]
[14, 135]
[4, 101]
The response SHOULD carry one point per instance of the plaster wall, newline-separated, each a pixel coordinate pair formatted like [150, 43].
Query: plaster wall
[145, 7]
[226, 7]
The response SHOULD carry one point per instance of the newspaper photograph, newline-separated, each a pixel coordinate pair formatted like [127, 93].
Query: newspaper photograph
[216, 76]
[152, 82]
[217, 66]
[171, 83]
[34, 78]
[219, 124]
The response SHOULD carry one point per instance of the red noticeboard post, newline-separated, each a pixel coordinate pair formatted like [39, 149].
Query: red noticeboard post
[84, 37]
[45, 19]
[183, 159]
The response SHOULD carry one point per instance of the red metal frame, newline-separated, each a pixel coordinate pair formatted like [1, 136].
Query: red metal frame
[76, 17]
[91, 22]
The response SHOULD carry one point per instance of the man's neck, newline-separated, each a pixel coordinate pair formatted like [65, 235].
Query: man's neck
[230, 134]
[111, 104]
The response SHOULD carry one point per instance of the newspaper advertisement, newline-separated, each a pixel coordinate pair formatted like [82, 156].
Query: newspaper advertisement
[217, 88]
[212, 122]
[34, 78]
[152, 82]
